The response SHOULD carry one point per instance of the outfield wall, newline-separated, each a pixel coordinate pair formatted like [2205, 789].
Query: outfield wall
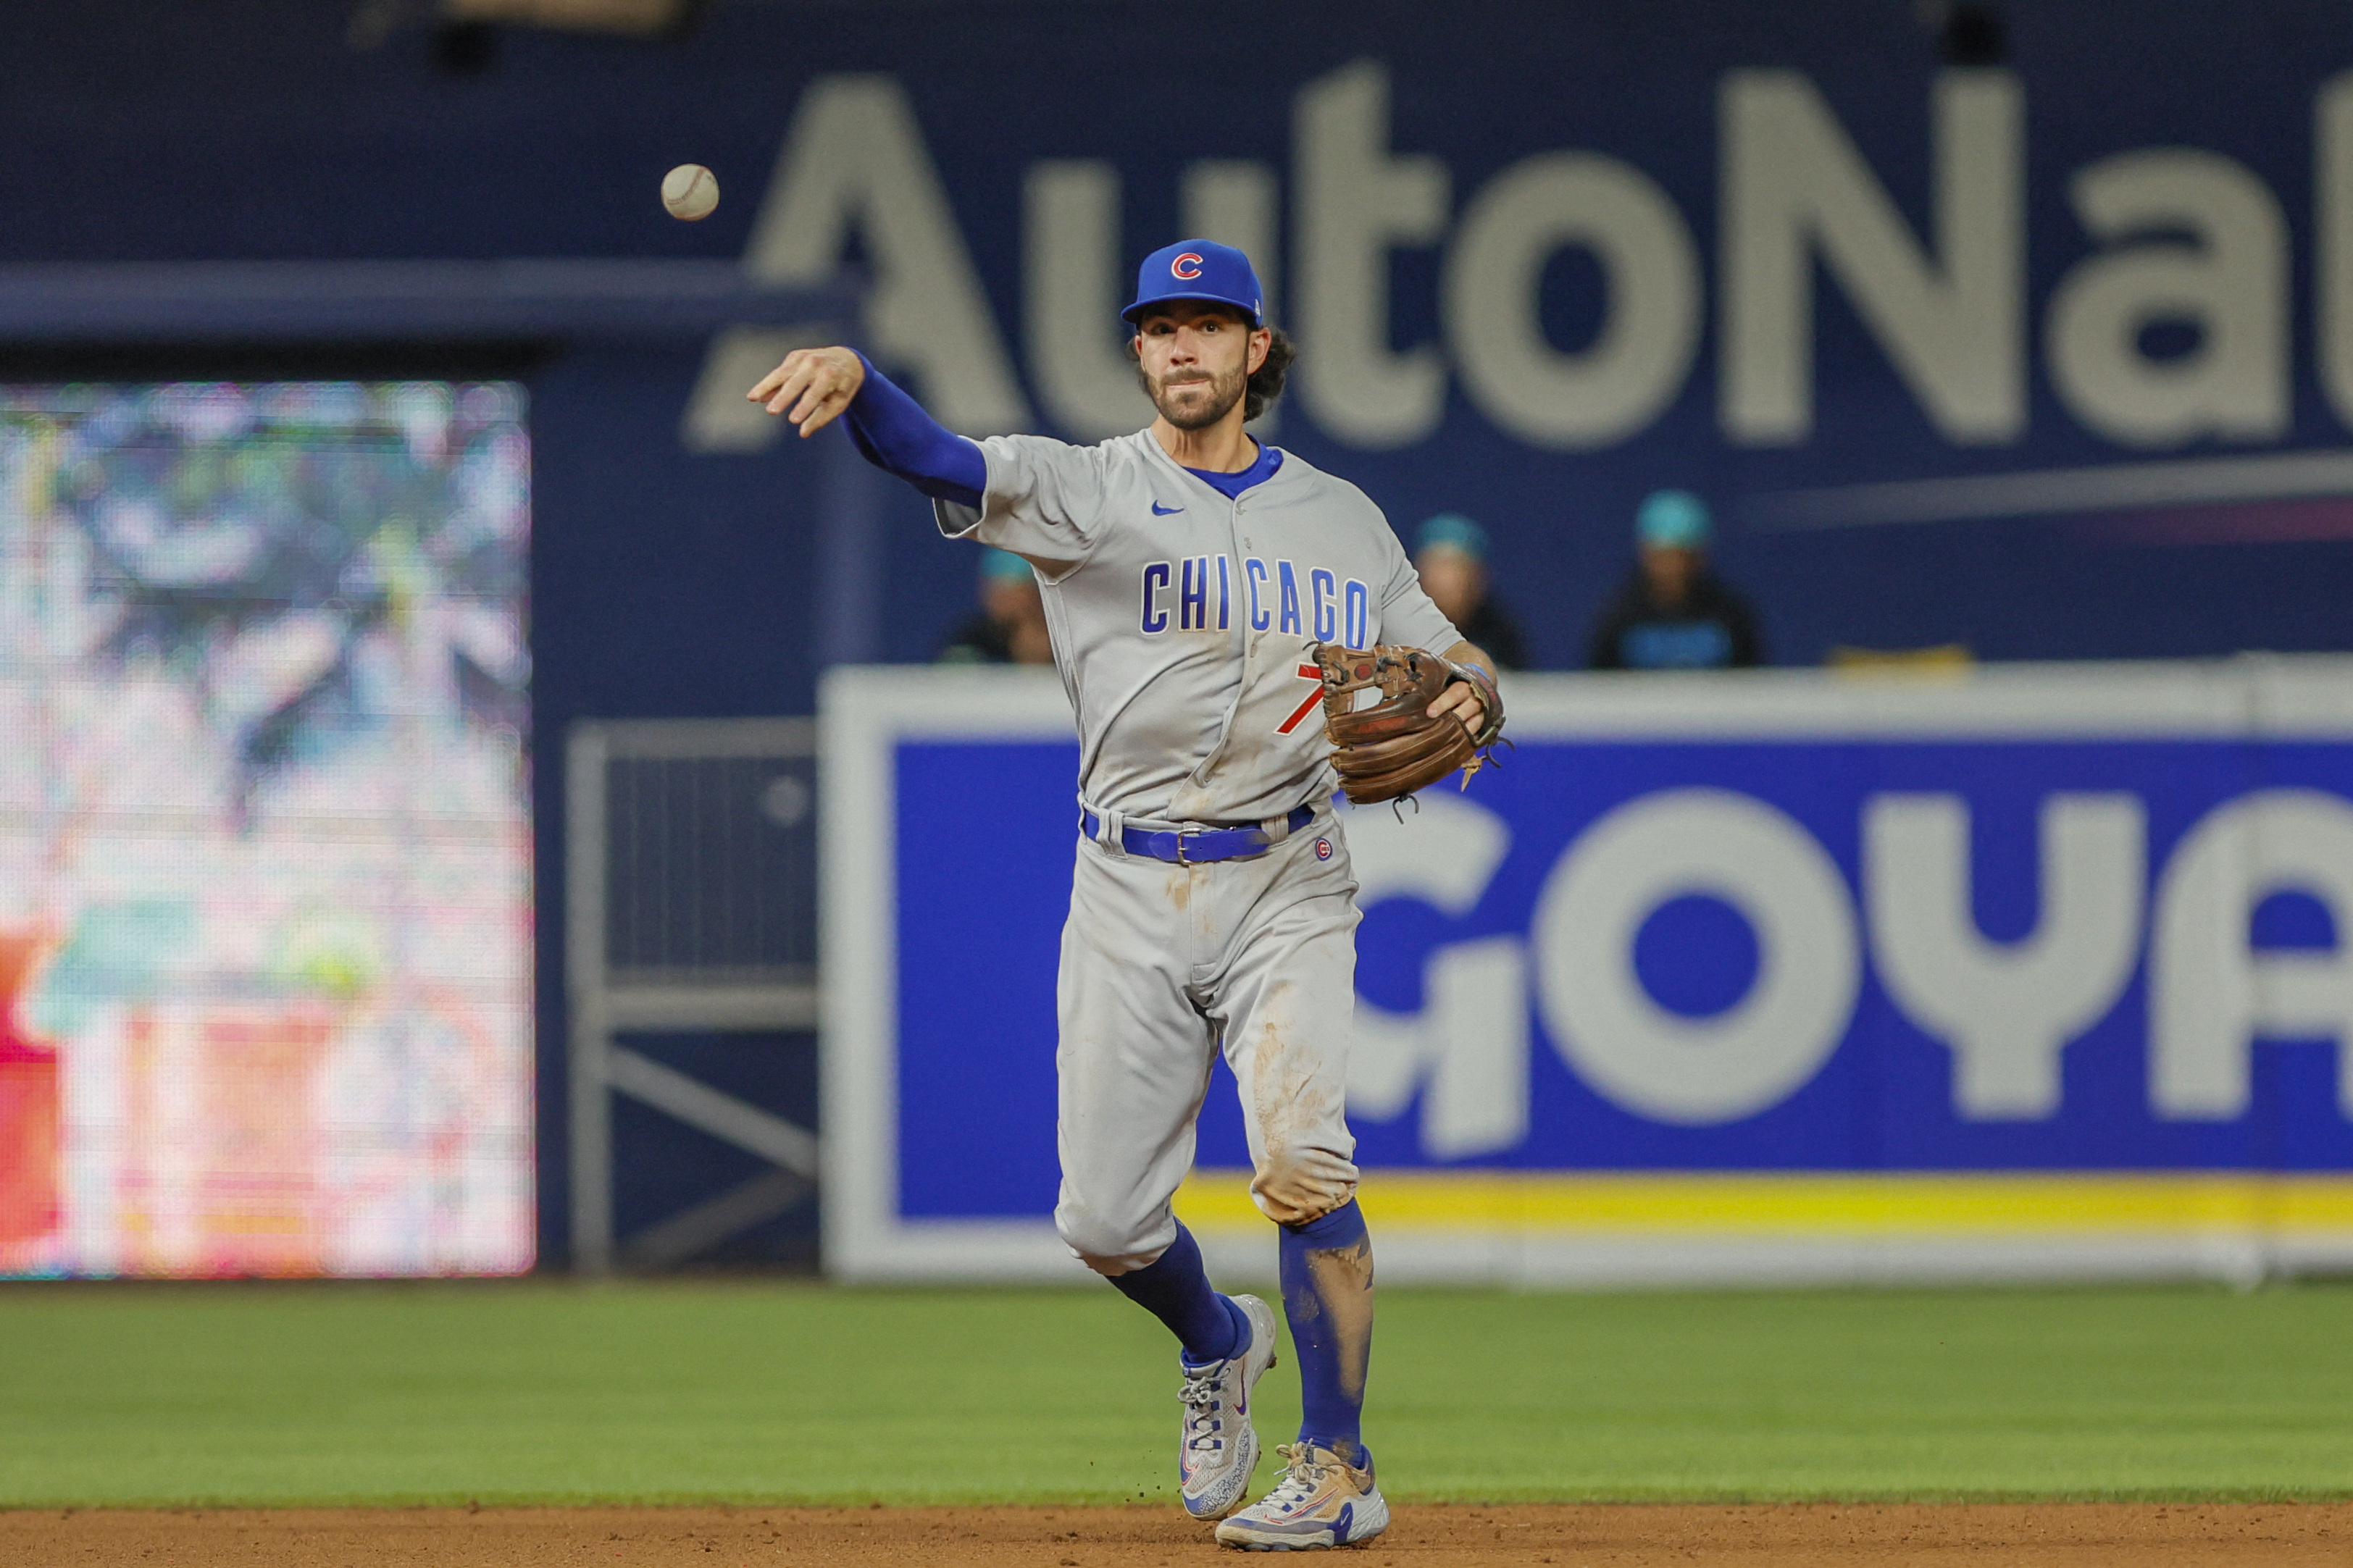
[1779, 977]
[2050, 353]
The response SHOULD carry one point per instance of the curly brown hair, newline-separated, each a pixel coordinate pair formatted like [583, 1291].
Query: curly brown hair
[1265, 383]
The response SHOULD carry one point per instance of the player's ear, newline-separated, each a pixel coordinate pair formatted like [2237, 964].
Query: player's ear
[1262, 340]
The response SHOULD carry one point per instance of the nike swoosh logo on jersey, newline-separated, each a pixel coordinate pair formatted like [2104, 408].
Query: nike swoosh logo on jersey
[1159, 511]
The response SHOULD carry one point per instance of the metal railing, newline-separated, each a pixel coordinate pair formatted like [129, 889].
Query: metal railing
[691, 877]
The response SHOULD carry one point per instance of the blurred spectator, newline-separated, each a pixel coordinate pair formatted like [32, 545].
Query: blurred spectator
[1673, 613]
[1010, 628]
[1450, 553]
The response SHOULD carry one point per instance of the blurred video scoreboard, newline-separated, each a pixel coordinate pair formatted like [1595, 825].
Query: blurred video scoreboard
[265, 839]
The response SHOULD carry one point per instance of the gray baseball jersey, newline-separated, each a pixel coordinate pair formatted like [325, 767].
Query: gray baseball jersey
[1182, 621]
[1182, 624]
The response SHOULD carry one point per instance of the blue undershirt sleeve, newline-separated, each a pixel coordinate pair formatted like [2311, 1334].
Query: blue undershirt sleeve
[896, 435]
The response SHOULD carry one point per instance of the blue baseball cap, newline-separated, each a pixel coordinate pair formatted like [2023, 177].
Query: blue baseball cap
[1673, 520]
[1198, 269]
[1453, 531]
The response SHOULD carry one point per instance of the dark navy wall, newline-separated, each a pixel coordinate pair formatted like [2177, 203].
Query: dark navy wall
[672, 583]
[252, 129]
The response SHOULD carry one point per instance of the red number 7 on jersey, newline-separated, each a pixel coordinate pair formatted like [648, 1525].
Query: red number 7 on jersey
[1306, 672]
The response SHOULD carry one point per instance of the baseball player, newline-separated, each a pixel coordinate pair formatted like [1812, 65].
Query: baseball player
[1190, 575]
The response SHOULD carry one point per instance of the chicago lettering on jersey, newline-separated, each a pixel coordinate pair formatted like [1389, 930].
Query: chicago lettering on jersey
[1198, 593]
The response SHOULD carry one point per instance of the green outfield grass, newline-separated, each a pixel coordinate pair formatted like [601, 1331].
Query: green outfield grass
[780, 1393]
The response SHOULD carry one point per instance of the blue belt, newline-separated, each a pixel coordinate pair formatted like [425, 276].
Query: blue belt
[1196, 846]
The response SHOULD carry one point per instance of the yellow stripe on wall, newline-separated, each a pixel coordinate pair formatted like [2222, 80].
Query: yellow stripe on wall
[1830, 1204]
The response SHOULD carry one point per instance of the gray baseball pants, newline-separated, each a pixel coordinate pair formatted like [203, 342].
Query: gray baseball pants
[1161, 966]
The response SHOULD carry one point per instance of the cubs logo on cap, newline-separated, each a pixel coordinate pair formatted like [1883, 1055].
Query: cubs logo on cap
[1199, 269]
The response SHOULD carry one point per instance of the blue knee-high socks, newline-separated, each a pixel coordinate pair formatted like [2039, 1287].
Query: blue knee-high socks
[1175, 1288]
[1327, 1294]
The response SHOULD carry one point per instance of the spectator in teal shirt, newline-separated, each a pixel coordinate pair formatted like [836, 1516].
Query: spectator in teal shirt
[1674, 613]
[1010, 627]
[1450, 554]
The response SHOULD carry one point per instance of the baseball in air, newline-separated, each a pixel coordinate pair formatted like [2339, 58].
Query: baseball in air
[690, 193]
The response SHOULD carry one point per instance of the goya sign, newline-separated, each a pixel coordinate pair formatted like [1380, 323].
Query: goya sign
[2046, 921]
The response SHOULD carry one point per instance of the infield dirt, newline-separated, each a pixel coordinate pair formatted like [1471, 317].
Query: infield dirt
[2048, 1535]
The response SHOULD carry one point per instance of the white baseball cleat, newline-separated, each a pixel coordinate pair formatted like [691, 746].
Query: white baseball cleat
[1218, 1447]
[1321, 1501]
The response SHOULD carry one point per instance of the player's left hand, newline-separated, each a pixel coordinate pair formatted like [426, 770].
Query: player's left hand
[1463, 700]
[1407, 741]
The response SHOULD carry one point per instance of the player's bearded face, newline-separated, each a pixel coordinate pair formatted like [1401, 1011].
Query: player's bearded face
[1195, 377]
[1194, 397]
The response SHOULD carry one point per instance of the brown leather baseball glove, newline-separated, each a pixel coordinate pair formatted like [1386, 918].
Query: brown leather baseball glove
[1393, 747]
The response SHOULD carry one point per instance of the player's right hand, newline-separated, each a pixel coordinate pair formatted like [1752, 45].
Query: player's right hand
[811, 386]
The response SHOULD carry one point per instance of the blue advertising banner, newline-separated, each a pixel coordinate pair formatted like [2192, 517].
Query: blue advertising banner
[2033, 971]
[2045, 348]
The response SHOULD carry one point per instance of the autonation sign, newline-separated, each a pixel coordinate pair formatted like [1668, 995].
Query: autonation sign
[2181, 237]
[2071, 937]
